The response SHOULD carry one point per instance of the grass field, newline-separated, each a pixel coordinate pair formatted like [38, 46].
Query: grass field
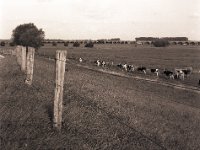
[169, 57]
[150, 57]
[101, 111]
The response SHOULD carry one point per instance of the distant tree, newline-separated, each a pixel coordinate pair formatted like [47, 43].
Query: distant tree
[12, 44]
[43, 43]
[66, 44]
[2, 43]
[76, 44]
[90, 45]
[101, 41]
[54, 44]
[28, 35]
[160, 43]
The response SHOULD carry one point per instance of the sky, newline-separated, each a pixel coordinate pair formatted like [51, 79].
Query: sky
[103, 19]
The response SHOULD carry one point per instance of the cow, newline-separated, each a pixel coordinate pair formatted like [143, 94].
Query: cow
[180, 74]
[130, 68]
[156, 71]
[142, 69]
[120, 65]
[103, 63]
[80, 60]
[125, 67]
[97, 62]
[169, 74]
[187, 71]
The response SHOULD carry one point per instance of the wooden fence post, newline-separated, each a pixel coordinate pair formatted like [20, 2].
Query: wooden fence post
[23, 58]
[18, 54]
[58, 99]
[29, 65]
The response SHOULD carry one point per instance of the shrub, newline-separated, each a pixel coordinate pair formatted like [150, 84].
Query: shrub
[90, 45]
[76, 44]
[54, 44]
[12, 44]
[66, 43]
[160, 43]
[3, 43]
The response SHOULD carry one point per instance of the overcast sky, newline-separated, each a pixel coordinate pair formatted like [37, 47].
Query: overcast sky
[94, 19]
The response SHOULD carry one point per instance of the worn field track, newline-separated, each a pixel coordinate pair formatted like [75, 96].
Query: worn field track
[156, 81]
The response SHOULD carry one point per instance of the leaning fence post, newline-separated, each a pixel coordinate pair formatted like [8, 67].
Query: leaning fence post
[60, 72]
[29, 65]
[23, 58]
[18, 54]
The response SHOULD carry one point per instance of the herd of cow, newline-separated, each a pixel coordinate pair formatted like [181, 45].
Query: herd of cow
[178, 73]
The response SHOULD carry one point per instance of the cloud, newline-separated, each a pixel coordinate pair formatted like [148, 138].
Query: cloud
[195, 15]
[44, 1]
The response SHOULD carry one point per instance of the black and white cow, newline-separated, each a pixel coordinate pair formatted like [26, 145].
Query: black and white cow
[130, 68]
[120, 66]
[97, 62]
[80, 60]
[187, 71]
[142, 69]
[169, 74]
[103, 63]
[156, 71]
[179, 74]
[182, 73]
[125, 67]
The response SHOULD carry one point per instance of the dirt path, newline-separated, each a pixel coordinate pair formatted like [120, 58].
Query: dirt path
[155, 81]
[1, 57]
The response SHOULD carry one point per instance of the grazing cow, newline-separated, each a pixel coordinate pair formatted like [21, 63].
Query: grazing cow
[180, 74]
[169, 74]
[187, 71]
[97, 62]
[120, 65]
[103, 63]
[80, 60]
[142, 69]
[156, 71]
[130, 68]
[125, 67]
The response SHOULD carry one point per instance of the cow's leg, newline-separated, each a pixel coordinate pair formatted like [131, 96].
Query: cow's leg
[171, 76]
[157, 74]
[183, 76]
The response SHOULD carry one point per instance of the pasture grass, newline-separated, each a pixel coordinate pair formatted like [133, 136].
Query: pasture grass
[151, 57]
[101, 111]
[167, 57]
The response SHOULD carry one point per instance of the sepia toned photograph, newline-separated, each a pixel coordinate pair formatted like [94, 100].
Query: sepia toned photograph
[100, 74]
